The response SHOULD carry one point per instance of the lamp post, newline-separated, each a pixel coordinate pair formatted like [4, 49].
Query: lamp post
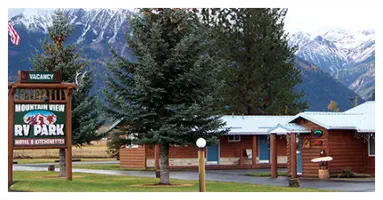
[201, 143]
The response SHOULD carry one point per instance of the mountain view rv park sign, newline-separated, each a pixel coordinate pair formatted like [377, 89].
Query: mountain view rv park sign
[39, 125]
[39, 115]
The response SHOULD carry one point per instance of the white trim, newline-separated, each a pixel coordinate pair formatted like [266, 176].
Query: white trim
[302, 115]
[369, 148]
[211, 162]
[264, 161]
[234, 140]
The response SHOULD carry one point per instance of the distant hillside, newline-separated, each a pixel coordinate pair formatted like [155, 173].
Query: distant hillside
[320, 88]
[348, 56]
[95, 29]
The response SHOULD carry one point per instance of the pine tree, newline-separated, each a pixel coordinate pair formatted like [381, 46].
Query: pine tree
[260, 75]
[166, 97]
[58, 55]
[373, 95]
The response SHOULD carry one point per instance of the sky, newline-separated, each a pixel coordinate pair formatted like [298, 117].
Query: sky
[319, 20]
[313, 20]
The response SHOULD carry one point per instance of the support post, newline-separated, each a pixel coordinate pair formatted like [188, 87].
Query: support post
[157, 160]
[254, 152]
[293, 155]
[68, 155]
[288, 149]
[10, 134]
[274, 162]
[241, 159]
[201, 169]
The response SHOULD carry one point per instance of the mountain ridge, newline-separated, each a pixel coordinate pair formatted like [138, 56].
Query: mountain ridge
[344, 54]
[97, 29]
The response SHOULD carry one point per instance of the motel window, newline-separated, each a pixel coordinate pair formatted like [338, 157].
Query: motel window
[234, 138]
[371, 146]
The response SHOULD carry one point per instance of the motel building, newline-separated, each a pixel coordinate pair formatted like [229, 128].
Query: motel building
[279, 142]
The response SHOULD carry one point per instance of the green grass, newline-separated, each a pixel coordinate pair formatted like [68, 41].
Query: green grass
[31, 161]
[82, 182]
[106, 167]
[265, 174]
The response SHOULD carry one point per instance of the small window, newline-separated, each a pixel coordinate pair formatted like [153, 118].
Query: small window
[371, 146]
[234, 138]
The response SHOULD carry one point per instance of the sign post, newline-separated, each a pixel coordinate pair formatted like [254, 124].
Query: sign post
[39, 115]
[11, 94]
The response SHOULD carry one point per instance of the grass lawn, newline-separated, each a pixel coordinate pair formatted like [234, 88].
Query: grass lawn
[265, 174]
[106, 167]
[30, 161]
[82, 182]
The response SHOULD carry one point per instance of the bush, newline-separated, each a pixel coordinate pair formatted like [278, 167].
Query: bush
[294, 182]
[346, 173]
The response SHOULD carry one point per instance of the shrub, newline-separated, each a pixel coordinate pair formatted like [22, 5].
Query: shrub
[346, 172]
[294, 182]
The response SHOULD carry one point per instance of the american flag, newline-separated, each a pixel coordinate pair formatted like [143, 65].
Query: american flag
[15, 38]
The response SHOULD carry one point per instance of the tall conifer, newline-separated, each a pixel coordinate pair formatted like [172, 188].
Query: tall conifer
[57, 54]
[260, 75]
[165, 97]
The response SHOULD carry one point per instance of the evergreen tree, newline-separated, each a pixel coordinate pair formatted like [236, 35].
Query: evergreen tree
[260, 75]
[58, 55]
[165, 97]
[373, 96]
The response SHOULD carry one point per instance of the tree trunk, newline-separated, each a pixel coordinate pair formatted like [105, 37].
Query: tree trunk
[164, 164]
[62, 163]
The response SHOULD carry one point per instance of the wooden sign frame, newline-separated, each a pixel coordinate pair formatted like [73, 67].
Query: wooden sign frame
[40, 93]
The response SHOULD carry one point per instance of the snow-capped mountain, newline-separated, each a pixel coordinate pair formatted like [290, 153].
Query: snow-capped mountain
[321, 52]
[357, 45]
[96, 29]
[99, 24]
[299, 39]
[349, 56]
[40, 119]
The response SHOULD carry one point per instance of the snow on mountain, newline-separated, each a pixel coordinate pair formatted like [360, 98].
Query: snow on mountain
[93, 31]
[299, 39]
[363, 52]
[35, 23]
[322, 53]
[350, 46]
[357, 45]
[100, 22]
[346, 55]
[346, 39]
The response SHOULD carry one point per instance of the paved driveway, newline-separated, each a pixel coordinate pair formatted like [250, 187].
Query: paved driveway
[237, 176]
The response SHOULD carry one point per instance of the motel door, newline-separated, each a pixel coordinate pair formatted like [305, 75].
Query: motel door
[299, 155]
[264, 149]
[212, 153]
